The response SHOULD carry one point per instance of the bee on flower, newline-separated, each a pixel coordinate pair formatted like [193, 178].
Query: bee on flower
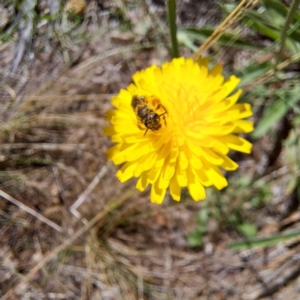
[146, 110]
[174, 127]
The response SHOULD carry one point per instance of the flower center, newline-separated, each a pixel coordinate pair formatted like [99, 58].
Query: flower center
[184, 105]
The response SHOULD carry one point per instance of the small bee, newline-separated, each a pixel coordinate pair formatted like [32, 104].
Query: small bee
[144, 108]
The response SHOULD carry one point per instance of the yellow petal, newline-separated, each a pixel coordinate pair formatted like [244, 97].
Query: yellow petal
[142, 183]
[157, 194]
[153, 175]
[196, 189]
[228, 164]
[242, 126]
[212, 156]
[202, 177]
[175, 189]
[126, 171]
[215, 176]
[237, 143]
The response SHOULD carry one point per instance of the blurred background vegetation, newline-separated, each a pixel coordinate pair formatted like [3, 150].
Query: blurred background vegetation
[69, 229]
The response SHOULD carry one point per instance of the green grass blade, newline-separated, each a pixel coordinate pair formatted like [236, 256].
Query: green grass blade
[264, 241]
[279, 7]
[276, 111]
[284, 32]
[227, 38]
[249, 74]
[270, 21]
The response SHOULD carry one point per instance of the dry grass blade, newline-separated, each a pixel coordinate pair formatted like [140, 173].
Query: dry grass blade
[288, 272]
[64, 245]
[264, 78]
[89, 189]
[234, 16]
[59, 84]
[44, 146]
[26, 27]
[37, 101]
[90, 63]
[9, 90]
[30, 211]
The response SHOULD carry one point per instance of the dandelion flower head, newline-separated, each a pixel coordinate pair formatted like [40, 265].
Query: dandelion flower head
[174, 126]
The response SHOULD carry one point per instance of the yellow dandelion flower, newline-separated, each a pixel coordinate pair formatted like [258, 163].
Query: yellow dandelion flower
[174, 126]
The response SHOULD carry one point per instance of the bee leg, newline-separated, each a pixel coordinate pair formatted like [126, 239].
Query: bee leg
[141, 126]
[164, 109]
[163, 115]
[146, 131]
[160, 106]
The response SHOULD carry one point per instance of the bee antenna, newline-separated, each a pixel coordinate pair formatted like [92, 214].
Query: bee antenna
[146, 131]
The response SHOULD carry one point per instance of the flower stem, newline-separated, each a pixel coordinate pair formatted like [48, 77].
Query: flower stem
[173, 28]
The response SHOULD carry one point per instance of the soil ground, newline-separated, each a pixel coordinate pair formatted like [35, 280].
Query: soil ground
[57, 80]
